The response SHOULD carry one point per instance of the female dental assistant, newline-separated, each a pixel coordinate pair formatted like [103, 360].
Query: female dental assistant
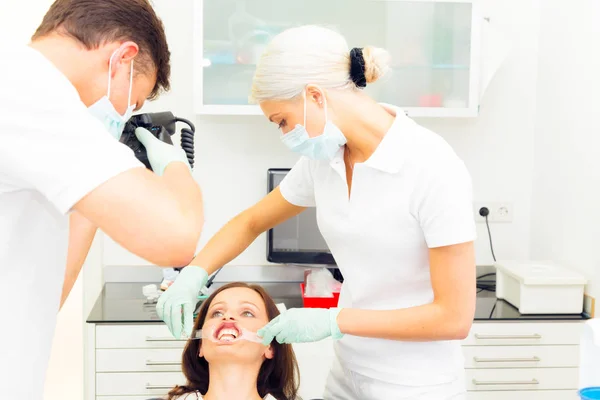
[393, 203]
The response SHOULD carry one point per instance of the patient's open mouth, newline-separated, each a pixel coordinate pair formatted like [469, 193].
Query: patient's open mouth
[227, 332]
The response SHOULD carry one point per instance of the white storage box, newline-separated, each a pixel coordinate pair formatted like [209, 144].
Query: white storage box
[540, 287]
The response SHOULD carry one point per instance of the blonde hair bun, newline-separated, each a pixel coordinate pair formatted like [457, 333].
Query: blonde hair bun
[377, 63]
[310, 54]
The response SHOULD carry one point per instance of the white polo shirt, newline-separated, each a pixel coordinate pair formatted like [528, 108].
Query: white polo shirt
[52, 153]
[198, 396]
[412, 194]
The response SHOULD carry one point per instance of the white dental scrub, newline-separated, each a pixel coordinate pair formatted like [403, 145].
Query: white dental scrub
[198, 396]
[412, 194]
[52, 153]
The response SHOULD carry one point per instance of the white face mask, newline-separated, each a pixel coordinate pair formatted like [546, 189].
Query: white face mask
[105, 111]
[321, 147]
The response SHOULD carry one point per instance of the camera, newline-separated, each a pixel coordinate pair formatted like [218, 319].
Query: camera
[162, 125]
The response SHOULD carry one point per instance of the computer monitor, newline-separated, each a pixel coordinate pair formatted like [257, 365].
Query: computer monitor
[297, 240]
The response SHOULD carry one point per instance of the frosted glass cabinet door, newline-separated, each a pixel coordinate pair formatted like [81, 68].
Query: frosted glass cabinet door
[434, 48]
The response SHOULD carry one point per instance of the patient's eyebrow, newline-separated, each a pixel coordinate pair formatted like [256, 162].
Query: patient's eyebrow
[215, 304]
[250, 304]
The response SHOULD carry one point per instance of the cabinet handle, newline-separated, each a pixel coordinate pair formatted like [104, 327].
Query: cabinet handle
[500, 360]
[507, 383]
[507, 337]
[159, 387]
[150, 363]
[164, 339]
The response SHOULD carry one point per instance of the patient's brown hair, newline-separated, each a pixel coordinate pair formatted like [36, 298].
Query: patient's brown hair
[277, 376]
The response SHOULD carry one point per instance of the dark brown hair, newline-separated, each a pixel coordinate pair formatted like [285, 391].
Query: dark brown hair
[95, 22]
[277, 376]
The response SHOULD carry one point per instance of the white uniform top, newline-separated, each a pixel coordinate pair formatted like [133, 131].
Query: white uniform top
[198, 396]
[412, 194]
[52, 153]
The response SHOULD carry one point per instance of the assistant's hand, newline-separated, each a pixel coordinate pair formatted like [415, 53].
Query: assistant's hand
[160, 154]
[176, 305]
[299, 325]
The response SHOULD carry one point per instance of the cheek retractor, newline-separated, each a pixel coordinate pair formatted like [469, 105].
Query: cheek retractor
[210, 335]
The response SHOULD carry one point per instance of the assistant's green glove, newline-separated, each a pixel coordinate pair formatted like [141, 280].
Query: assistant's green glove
[299, 325]
[160, 154]
[176, 305]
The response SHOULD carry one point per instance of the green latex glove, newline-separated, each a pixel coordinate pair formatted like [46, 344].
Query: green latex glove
[160, 154]
[300, 325]
[176, 305]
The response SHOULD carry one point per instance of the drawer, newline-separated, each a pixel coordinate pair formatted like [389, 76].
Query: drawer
[522, 379]
[121, 397]
[523, 395]
[138, 360]
[521, 356]
[150, 384]
[524, 333]
[135, 337]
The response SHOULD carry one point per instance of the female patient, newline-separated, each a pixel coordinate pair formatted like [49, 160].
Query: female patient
[239, 369]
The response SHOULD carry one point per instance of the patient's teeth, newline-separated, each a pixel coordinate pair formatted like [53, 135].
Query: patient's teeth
[230, 332]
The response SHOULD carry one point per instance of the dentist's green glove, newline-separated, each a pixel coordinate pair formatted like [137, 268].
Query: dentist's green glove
[299, 325]
[176, 305]
[160, 154]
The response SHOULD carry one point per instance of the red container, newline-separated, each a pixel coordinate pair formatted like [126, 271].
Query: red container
[319, 302]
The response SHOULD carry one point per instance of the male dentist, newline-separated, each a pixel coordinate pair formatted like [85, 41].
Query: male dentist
[63, 173]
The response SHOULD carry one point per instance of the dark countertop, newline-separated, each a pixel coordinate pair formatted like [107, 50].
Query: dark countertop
[125, 303]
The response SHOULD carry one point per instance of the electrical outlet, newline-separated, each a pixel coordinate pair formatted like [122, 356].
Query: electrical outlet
[499, 211]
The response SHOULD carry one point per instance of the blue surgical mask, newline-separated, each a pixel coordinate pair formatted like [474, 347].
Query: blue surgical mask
[105, 111]
[322, 147]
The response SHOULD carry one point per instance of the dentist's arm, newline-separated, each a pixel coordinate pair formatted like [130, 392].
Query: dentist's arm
[158, 216]
[175, 306]
[448, 317]
[81, 236]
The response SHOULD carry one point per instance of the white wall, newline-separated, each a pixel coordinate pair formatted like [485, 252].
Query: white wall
[498, 146]
[566, 197]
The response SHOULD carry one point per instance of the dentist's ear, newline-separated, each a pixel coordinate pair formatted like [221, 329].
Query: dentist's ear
[315, 94]
[125, 53]
[201, 352]
[269, 353]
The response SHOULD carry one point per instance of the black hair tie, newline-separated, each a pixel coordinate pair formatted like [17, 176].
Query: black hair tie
[357, 67]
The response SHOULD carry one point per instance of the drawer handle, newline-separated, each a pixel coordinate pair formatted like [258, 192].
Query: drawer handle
[164, 339]
[159, 387]
[509, 360]
[151, 363]
[507, 337]
[507, 383]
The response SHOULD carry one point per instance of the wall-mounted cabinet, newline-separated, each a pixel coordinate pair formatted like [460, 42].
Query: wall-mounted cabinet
[435, 48]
